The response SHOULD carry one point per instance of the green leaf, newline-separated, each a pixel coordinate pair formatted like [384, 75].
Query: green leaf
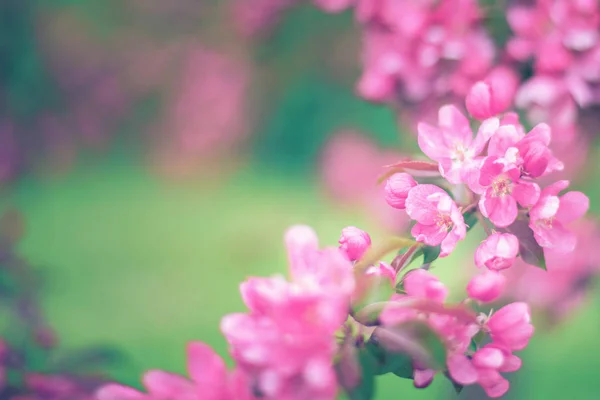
[529, 249]
[470, 219]
[390, 362]
[430, 254]
[366, 388]
[414, 339]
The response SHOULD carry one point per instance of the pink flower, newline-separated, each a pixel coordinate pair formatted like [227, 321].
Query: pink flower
[510, 327]
[486, 287]
[493, 95]
[422, 284]
[461, 369]
[439, 221]
[504, 189]
[551, 213]
[396, 189]
[451, 144]
[498, 251]
[209, 381]
[354, 242]
[286, 342]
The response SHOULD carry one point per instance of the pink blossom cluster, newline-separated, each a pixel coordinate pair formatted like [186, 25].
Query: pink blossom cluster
[420, 49]
[495, 175]
[509, 329]
[561, 39]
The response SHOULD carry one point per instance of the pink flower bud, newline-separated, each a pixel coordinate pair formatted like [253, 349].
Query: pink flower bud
[498, 251]
[510, 326]
[493, 95]
[420, 283]
[423, 377]
[383, 270]
[486, 287]
[354, 242]
[396, 189]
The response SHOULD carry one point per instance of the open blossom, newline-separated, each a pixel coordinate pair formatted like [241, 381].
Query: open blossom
[286, 342]
[498, 251]
[486, 287]
[504, 189]
[489, 361]
[551, 213]
[511, 327]
[209, 381]
[354, 242]
[396, 189]
[439, 221]
[451, 144]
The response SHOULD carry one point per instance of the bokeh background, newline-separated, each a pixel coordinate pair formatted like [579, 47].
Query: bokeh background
[158, 150]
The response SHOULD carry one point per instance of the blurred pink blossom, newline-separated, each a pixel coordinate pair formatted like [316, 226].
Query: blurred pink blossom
[350, 166]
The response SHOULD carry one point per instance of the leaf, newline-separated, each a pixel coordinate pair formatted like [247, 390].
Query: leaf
[414, 339]
[403, 259]
[470, 219]
[371, 289]
[376, 253]
[529, 249]
[390, 362]
[430, 254]
[365, 390]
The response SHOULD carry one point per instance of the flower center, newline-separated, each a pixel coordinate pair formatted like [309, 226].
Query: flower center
[460, 152]
[545, 222]
[501, 187]
[443, 221]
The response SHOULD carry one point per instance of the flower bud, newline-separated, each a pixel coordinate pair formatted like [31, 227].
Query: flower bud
[354, 242]
[486, 287]
[510, 326]
[420, 283]
[396, 189]
[382, 270]
[493, 95]
[498, 251]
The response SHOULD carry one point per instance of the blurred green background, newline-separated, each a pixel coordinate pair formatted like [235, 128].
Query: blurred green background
[137, 260]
